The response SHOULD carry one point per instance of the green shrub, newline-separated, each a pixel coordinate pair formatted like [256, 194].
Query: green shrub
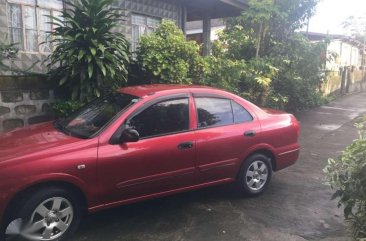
[347, 175]
[168, 57]
[90, 58]
[250, 79]
[7, 52]
[65, 108]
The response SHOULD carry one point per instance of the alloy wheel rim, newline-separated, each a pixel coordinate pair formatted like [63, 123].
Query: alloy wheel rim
[256, 175]
[50, 220]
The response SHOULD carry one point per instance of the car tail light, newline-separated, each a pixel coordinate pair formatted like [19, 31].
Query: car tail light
[296, 125]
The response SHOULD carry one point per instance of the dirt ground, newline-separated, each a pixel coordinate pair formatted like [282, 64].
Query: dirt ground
[296, 206]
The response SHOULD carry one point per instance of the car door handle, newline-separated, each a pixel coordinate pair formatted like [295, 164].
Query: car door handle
[250, 133]
[185, 145]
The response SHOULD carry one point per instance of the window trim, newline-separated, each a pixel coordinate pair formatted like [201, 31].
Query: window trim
[23, 28]
[145, 106]
[233, 101]
[146, 16]
[216, 96]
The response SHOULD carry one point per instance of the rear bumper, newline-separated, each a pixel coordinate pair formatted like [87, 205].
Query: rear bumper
[287, 158]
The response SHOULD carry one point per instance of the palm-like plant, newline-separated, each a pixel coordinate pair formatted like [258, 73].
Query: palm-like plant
[90, 58]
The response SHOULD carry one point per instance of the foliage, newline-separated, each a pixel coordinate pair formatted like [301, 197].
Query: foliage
[355, 25]
[90, 58]
[300, 77]
[346, 175]
[250, 79]
[258, 19]
[168, 57]
[282, 68]
[7, 52]
[66, 108]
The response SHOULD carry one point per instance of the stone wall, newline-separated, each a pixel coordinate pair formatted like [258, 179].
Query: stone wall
[24, 101]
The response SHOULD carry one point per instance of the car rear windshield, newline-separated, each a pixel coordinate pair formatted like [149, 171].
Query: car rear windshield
[90, 119]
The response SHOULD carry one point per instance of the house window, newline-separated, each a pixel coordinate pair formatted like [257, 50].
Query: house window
[142, 25]
[29, 25]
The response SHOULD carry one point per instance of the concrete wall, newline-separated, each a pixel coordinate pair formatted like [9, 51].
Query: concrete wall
[24, 101]
[346, 80]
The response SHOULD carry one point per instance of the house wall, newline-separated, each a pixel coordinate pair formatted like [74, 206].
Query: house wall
[24, 101]
[32, 61]
[163, 9]
[347, 55]
[346, 80]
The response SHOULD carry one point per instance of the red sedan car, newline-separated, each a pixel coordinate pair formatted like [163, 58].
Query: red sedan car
[135, 144]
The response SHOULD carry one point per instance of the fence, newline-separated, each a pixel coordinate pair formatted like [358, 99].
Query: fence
[346, 80]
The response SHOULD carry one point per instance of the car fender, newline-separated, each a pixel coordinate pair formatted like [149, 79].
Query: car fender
[256, 148]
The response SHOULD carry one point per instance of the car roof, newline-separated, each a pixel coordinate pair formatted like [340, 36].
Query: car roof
[144, 90]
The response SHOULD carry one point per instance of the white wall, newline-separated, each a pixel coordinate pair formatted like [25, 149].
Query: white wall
[347, 55]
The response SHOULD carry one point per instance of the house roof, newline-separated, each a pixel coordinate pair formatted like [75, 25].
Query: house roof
[312, 36]
[197, 9]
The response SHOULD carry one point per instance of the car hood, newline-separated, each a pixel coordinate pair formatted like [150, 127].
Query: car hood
[30, 140]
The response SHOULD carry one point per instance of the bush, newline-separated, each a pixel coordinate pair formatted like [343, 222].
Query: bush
[167, 57]
[250, 79]
[7, 52]
[65, 108]
[346, 175]
[90, 58]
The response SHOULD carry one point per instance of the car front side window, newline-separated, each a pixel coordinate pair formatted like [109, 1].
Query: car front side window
[165, 117]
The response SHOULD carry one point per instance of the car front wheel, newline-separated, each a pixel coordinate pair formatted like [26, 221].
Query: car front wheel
[50, 214]
[255, 175]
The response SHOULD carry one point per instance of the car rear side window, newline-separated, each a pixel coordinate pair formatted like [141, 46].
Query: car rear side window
[163, 118]
[240, 114]
[213, 112]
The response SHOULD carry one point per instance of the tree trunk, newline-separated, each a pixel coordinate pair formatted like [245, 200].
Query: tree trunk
[259, 40]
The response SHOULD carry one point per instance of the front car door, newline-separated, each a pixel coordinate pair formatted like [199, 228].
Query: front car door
[225, 129]
[162, 160]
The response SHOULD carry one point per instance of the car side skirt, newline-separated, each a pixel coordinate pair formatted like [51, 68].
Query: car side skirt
[161, 194]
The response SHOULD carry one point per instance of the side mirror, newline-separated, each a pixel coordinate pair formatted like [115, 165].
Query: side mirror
[129, 135]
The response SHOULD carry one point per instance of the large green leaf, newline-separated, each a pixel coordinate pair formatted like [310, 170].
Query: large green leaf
[84, 60]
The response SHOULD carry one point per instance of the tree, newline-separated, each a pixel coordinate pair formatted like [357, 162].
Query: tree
[258, 17]
[168, 57]
[280, 63]
[90, 58]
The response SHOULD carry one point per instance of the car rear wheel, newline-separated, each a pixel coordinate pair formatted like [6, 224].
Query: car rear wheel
[50, 214]
[255, 175]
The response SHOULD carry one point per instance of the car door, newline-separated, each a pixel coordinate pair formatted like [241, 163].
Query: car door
[162, 160]
[225, 129]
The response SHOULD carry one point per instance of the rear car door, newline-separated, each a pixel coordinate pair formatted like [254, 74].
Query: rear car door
[162, 160]
[225, 129]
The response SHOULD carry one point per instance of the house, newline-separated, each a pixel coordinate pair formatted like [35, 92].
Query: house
[347, 51]
[346, 70]
[194, 30]
[24, 22]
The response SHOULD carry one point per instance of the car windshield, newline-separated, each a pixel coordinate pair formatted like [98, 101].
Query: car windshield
[90, 119]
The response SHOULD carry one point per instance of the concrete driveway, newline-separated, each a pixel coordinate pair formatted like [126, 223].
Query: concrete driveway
[296, 206]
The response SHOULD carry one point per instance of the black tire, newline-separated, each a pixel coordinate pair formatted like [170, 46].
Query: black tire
[47, 197]
[264, 172]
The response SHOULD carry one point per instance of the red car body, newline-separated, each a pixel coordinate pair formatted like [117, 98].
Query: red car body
[110, 175]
